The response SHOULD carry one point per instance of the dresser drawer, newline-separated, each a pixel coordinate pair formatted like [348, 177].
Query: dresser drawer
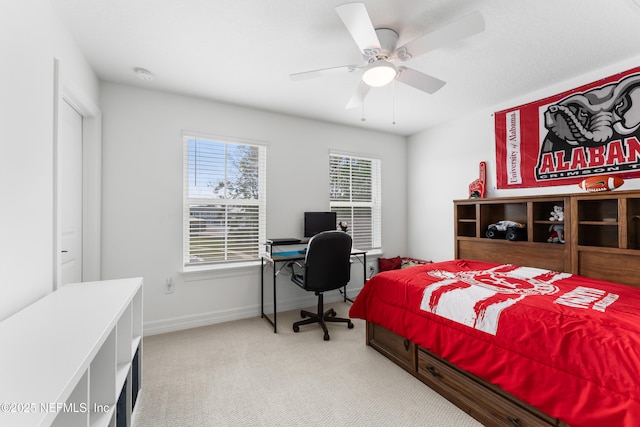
[393, 346]
[491, 406]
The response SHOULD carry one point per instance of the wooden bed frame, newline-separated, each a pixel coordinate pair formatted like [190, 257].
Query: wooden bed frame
[484, 401]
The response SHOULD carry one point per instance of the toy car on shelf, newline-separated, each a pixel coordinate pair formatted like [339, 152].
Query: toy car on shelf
[510, 230]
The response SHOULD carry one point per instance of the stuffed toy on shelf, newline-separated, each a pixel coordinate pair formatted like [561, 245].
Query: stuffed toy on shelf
[556, 231]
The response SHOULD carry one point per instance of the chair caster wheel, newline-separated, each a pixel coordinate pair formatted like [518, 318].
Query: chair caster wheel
[296, 328]
[303, 314]
[333, 313]
[350, 325]
[326, 337]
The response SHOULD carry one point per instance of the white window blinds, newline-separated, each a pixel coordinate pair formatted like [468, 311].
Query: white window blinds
[356, 196]
[224, 200]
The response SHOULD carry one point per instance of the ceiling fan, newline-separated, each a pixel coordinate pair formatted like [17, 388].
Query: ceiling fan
[380, 51]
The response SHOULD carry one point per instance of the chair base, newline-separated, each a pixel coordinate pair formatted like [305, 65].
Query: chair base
[321, 317]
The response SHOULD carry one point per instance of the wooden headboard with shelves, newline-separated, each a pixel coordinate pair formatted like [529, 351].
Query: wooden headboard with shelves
[601, 233]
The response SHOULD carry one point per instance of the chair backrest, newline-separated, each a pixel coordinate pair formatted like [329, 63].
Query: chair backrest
[328, 261]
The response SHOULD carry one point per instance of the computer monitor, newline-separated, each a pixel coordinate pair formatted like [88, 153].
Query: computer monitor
[317, 222]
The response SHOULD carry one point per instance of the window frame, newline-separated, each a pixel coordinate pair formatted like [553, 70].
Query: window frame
[376, 198]
[259, 202]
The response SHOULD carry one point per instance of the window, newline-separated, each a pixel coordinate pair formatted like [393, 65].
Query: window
[355, 197]
[224, 200]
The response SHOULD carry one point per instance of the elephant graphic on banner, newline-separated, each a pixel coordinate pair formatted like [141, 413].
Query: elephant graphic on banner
[583, 125]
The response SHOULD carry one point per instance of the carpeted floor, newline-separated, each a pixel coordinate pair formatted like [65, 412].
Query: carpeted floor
[242, 374]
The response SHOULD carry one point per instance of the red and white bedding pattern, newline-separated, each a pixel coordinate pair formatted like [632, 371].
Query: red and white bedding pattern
[566, 344]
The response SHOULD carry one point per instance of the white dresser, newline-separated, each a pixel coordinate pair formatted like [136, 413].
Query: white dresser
[74, 357]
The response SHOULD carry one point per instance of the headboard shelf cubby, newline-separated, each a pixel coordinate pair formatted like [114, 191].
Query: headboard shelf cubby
[601, 233]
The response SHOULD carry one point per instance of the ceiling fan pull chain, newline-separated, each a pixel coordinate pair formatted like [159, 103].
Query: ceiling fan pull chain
[393, 102]
[363, 118]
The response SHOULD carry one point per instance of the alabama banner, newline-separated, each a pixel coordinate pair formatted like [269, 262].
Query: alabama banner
[562, 139]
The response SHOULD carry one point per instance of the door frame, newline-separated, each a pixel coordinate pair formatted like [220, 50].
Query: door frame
[91, 177]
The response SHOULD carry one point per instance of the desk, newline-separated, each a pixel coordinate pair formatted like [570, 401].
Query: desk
[274, 259]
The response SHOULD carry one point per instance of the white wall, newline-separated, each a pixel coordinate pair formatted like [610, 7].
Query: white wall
[443, 161]
[142, 197]
[31, 36]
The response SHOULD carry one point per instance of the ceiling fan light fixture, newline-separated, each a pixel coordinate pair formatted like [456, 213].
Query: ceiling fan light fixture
[379, 73]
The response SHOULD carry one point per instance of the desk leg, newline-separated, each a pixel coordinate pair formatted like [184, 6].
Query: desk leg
[263, 314]
[364, 268]
[364, 278]
[275, 308]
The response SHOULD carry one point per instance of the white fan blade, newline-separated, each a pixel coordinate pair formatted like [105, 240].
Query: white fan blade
[457, 30]
[322, 72]
[358, 96]
[419, 80]
[356, 19]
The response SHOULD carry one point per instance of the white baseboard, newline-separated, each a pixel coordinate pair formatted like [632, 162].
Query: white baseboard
[203, 319]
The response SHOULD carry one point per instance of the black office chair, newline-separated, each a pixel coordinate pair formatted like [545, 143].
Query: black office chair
[327, 266]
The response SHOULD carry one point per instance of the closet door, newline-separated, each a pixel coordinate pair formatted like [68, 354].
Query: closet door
[70, 167]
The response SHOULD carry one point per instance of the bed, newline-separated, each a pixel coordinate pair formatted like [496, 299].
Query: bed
[511, 345]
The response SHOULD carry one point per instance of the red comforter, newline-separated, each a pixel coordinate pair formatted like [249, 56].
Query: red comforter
[566, 344]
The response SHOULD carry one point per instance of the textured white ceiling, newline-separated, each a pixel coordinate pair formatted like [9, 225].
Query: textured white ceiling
[242, 51]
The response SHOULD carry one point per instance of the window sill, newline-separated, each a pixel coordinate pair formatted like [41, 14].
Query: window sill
[375, 252]
[219, 271]
[197, 273]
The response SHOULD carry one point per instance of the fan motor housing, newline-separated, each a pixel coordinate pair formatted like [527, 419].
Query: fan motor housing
[388, 41]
